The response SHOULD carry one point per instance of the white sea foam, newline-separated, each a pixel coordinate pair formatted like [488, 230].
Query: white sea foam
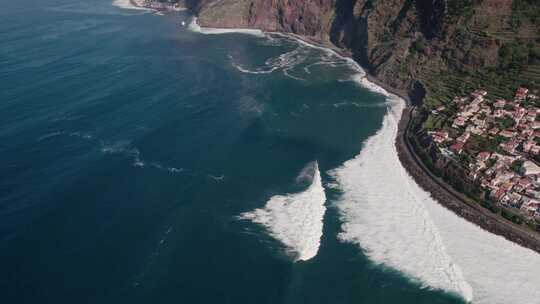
[285, 62]
[175, 170]
[384, 212]
[295, 219]
[332, 58]
[50, 135]
[217, 178]
[125, 148]
[65, 133]
[256, 71]
[195, 27]
[126, 4]
[499, 271]
[266, 70]
[358, 104]
[361, 79]
[399, 225]
[81, 135]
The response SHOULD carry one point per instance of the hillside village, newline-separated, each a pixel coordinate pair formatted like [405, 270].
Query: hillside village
[498, 142]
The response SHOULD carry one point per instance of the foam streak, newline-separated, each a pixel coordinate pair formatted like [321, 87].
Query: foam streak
[195, 27]
[127, 4]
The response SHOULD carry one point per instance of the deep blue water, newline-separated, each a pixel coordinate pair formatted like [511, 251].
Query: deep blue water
[129, 145]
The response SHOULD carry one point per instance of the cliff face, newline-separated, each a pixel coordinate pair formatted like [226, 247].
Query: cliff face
[433, 47]
[307, 18]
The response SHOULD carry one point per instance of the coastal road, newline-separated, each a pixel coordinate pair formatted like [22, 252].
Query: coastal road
[457, 202]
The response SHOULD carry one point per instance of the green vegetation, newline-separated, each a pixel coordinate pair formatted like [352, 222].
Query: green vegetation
[516, 165]
[515, 55]
[534, 54]
[482, 143]
[481, 47]
[434, 122]
[506, 123]
[418, 46]
[460, 8]
[512, 217]
[485, 48]
[529, 9]
[369, 4]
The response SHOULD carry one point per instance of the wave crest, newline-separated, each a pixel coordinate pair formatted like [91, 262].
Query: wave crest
[296, 219]
[382, 211]
[195, 27]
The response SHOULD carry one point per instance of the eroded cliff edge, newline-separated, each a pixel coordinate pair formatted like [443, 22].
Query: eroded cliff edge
[422, 48]
[358, 28]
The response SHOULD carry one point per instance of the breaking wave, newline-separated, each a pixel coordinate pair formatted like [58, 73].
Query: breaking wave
[256, 71]
[295, 219]
[383, 212]
[195, 27]
[399, 225]
[498, 270]
[360, 105]
[266, 70]
[284, 62]
[127, 4]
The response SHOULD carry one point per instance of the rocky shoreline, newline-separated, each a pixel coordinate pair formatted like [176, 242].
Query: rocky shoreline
[159, 6]
[443, 193]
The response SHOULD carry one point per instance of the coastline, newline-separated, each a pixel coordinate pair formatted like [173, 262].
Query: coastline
[443, 193]
[453, 200]
[157, 6]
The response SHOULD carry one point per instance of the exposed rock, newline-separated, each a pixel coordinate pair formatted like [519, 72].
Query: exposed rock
[307, 18]
[403, 43]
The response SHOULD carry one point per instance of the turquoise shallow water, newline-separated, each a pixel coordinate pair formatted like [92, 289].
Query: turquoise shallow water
[129, 146]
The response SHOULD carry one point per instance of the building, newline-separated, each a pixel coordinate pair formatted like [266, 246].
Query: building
[457, 147]
[529, 168]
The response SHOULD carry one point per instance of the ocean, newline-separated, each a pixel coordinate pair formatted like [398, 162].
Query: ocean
[142, 161]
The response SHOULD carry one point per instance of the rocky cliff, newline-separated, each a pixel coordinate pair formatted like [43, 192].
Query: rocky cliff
[433, 47]
[310, 18]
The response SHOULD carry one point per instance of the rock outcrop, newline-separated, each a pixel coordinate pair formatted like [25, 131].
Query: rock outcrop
[310, 18]
[419, 47]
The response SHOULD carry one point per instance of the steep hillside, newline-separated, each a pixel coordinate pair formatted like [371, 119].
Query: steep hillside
[312, 18]
[440, 47]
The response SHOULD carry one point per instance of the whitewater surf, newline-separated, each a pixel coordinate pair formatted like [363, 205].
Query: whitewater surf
[295, 219]
[398, 224]
[195, 27]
